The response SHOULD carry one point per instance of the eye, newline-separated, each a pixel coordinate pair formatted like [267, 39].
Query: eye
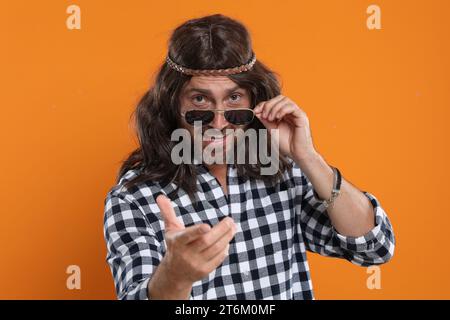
[199, 99]
[235, 97]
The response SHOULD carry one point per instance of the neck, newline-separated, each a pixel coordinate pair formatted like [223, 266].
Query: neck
[217, 168]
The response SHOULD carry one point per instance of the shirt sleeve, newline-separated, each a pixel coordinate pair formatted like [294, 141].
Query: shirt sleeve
[375, 247]
[132, 247]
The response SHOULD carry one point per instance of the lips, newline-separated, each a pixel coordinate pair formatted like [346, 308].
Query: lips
[215, 139]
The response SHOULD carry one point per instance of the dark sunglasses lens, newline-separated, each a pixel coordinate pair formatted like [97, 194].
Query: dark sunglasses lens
[239, 117]
[204, 116]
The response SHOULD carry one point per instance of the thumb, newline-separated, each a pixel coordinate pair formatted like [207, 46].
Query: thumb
[171, 221]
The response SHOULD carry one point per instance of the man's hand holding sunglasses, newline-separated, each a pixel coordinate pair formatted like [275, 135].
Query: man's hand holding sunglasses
[282, 113]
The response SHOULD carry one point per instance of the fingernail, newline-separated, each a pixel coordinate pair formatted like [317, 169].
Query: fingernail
[230, 222]
[158, 194]
[205, 228]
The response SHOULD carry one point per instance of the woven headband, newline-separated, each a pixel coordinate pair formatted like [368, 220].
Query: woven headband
[211, 72]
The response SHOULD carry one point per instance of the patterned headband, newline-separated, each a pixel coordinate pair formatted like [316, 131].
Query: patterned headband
[211, 72]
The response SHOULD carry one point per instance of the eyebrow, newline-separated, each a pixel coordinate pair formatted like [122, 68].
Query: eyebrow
[209, 92]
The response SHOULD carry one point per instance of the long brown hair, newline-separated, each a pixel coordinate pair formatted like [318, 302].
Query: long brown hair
[210, 42]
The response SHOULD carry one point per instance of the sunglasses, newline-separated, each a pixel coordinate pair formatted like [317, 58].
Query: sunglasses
[239, 117]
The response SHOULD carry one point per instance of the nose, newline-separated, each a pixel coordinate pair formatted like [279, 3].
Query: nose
[219, 122]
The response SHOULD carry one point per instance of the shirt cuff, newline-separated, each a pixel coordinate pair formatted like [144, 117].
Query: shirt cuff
[373, 239]
[139, 292]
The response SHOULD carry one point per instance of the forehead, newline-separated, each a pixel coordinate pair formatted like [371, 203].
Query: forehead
[212, 83]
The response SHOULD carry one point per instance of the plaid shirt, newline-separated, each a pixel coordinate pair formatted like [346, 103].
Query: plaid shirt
[276, 225]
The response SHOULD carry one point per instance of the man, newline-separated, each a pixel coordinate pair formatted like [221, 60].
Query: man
[224, 230]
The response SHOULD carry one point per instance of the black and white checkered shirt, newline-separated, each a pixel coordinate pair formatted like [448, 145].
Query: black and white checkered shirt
[276, 225]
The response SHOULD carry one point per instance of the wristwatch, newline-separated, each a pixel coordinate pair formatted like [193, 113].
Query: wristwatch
[336, 189]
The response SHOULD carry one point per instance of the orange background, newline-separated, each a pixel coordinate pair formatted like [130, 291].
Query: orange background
[378, 103]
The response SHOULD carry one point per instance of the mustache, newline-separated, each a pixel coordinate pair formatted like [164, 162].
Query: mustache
[214, 132]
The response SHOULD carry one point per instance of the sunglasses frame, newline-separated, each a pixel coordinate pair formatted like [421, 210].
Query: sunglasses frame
[223, 112]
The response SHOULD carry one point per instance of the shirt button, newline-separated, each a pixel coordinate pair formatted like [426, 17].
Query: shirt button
[214, 183]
